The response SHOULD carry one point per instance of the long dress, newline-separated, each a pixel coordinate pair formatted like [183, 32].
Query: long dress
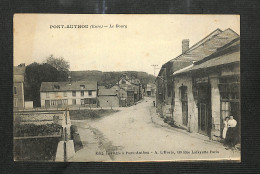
[224, 133]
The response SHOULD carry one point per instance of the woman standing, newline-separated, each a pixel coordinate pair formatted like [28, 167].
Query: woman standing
[231, 132]
[225, 128]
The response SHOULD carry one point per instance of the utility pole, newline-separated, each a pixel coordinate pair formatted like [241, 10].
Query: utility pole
[154, 67]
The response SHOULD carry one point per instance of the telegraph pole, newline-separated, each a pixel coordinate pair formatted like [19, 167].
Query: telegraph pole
[154, 67]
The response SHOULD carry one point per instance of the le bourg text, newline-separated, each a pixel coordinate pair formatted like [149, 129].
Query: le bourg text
[92, 26]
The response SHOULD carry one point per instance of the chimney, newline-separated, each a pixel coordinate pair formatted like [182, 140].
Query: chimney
[185, 45]
[69, 77]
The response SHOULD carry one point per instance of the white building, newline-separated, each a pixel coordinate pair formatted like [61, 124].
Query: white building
[59, 94]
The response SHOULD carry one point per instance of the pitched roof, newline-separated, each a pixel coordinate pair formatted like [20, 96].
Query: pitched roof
[205, 47]
[208, 46]
[107, 92]
[66, 86]
[229, 53]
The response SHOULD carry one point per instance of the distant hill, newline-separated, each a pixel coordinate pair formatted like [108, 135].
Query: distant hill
[110, 78]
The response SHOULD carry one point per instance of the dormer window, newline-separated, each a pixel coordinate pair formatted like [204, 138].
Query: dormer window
[82, 87]
[56, 86]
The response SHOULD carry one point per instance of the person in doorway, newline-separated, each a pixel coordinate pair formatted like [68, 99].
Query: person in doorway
[225, 128]
[231, 136]
[154, 103]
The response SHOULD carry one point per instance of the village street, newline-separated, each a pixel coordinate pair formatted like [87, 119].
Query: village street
[136, 133]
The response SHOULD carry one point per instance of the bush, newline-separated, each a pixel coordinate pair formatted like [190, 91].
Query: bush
[36, 130]
[89, 114]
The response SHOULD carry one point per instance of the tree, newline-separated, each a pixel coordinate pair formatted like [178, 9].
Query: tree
[35, 74]
[59, 63]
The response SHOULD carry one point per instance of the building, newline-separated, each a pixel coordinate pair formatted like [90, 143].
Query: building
[150, 90]
[208, 91]
[197, 89]
[122, 93]
[18, 87]
[108, 97]
[133, 87]
[62, 94]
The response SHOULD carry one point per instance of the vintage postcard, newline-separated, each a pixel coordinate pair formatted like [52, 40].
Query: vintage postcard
[126, 88]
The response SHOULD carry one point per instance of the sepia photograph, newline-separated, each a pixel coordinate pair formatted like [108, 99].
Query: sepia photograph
[126, 88]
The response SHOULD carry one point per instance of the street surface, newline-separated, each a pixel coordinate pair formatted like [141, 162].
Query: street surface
[137, 133]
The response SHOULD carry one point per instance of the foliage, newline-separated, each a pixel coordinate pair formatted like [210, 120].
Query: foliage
[111, 78]
[36, 130]
[35, 74]
[90, 114]
[36, 149]
[59, 63]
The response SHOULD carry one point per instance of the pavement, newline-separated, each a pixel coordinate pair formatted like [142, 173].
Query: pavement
[137, 133]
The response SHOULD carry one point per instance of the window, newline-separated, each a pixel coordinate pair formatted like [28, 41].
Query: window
[59, 102]
[90, 93]
[65, 94]
[74, 93]
[90, 101]
[183, 90]
[82, 87]
[56, 86]
[229, 88]
[82, 101]
[82, 93]
[65, 102]
[15, 90]
[74, 101]
[47, 95]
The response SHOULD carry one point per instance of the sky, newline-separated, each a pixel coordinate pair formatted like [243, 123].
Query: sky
[147, 40]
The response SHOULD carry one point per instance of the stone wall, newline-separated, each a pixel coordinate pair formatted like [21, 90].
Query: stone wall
[192, 125]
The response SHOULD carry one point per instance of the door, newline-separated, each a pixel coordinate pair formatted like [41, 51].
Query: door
[204, 109]
[185, 113]
[184, 101]
[203, 118]
[47, 103]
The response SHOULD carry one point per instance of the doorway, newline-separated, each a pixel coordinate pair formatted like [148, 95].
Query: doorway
[184, 103]
[204, 109]
[47, 103]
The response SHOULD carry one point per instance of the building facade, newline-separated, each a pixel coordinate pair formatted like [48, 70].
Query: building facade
[63, 94]
[108, 98]
[133, 87]
[205, 85]
[150, 90]
[18, 87]
[122, 93]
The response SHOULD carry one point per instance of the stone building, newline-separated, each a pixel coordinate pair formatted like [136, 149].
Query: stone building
[208, 91]
[133, 87]
[108, 97]
[194, 89]
[18, 87]
[62, 94]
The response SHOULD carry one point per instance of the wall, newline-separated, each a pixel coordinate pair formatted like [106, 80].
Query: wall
[215, 106]
[60, 95]
[19, 97]
[28, 104]
[108, 101]
[192, 126]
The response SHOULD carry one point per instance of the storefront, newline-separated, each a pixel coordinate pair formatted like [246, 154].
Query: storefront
[229, 88]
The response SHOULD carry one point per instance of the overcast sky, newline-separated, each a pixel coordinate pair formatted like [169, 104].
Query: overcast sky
[147, 40]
